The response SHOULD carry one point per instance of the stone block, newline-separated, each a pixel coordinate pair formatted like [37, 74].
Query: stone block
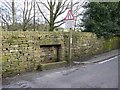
[22, 50]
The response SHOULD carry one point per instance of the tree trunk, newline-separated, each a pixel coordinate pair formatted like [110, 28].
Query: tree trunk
[51, 17]
[13, 15]
[51, 23]
[34, 16]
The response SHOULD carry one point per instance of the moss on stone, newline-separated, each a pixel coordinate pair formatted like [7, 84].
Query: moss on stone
[22, 52]
[5, 58]
[52, 65]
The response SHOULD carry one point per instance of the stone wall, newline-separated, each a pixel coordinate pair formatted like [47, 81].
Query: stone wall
[85, 45]
[25, 51]
[21, 51]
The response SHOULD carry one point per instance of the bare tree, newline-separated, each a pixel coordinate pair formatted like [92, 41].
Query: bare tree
[34, 15]
[27, 17]
[55, 8]
[78, 10]
[13, 14]
[8, 14]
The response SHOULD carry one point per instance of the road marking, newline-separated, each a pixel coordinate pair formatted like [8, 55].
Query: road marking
[108, 60]
[57, 74]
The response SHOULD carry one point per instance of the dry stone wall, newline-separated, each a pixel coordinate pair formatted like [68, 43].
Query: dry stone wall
[85, 45]
[25, 51]
[21, 51]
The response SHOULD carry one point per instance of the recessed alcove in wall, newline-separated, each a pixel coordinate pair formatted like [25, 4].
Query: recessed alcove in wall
[50, 53]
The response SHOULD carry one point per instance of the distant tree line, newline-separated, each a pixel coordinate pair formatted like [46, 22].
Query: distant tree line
[21, 16]
[36, 14]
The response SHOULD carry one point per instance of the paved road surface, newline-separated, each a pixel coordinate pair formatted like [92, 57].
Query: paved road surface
[98, 75]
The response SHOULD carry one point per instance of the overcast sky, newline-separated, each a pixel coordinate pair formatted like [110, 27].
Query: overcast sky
[20, 3]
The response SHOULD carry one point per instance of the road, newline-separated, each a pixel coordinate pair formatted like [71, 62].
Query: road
[98, 75]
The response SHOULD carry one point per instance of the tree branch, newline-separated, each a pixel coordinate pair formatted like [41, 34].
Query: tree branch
[63, 8]
[59, 21]
[45, 6]
[57, 9]
[26, 12]
[48, 2]
[4, 20]
[58, 25]
[42, 13]
[7, 6]
[30, 11]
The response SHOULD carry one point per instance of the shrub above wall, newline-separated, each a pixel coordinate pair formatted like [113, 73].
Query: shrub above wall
[22, 51]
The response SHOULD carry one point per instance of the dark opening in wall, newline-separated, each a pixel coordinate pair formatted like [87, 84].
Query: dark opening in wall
[50, 53]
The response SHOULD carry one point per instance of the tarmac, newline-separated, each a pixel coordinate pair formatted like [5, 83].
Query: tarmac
[82, 75]
[100, 57]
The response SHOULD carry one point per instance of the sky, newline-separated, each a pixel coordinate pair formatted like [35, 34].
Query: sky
[20, 3]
